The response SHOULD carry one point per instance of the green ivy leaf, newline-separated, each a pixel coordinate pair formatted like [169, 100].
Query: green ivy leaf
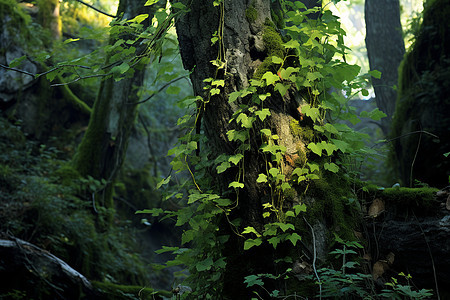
[316, 148]
[286, 226]
[223, 167]
[204, 265]
[313, 167]
[250, 229]
[294, 238]
[262, 178]
[236, 184]
[329, 147]
[274, 172]
[376, 74]
[235, 158]
[281, 88]
[298, 208]
[277, 60]
[274, 241]
[164, 181]
[270, 78]
[214, 92]
[332, 167]
[150, 2]
[155, 211]
[291, 44]
[233, 96]
[266, 132]
[263, 114]
[252, 242]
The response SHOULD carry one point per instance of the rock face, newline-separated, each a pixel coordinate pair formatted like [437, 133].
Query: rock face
[414, 229]
[424, 103]
[38, 274]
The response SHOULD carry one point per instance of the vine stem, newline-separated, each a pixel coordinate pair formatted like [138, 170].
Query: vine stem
[314, 258]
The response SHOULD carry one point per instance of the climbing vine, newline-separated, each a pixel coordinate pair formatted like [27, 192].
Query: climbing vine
[307, 64]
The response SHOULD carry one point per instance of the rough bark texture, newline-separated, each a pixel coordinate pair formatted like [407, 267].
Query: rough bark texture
[385, 49]
[244, 51]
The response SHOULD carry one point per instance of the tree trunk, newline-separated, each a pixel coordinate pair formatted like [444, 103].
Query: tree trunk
[104, 145]
[385, 49]
[247, 40]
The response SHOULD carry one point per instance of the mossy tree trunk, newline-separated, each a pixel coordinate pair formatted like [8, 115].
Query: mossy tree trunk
[249, 40]
[385, 49]
[49, 17]
[104, 144]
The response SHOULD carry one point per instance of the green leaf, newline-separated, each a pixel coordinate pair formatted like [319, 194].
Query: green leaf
[164, 181]
[375, 73]
[252, 280]
[150, 2]
[286, 226]
[365, 92]
[122, 68]
[291, 44]
[233, 96]
[274, 241]
[312, 112]
[204, 265]
[187, 236]
[266, 132]
[155, 211]
[263, 114]
[235, 158]
[223, 167]
[281, 88]
[214, 92]
[277, 60]
[139, 18]
[294, 238]
[236, 184]
[313, 167]
[250, 229]
[222, 202]
[274, 172]
[332, 167]
[329, 147]
[166, 249]
[252, 242]
[270, 78]
[261, 178]
[316, 148]
[70, 41]
[299, 208]
[173, 90]
[263, 97]
[341, 145]
[17, 61]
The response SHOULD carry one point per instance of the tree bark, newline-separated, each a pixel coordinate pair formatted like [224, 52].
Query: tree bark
[243, 50]
[385, 49]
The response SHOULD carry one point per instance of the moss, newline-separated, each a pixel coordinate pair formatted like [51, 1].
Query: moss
[305, 133]
[70, 97]
[273, 44]
[424, 78]
[10, 8]
[251, 13]
[117, 292]
[67, 174]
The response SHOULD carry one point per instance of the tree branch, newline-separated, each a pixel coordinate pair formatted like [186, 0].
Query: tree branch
[96, 9]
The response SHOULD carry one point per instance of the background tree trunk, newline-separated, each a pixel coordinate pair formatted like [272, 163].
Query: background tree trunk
[385, 49]
[104, 145]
